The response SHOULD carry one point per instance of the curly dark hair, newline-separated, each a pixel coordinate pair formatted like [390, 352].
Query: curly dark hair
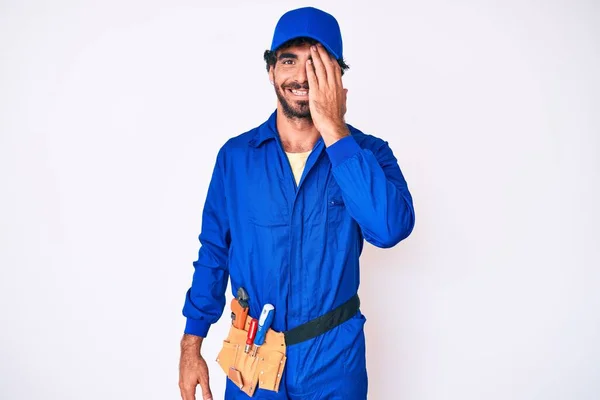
[271, 58]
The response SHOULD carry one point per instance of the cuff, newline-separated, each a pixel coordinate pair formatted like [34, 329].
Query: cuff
[342, 150]
[196, 327]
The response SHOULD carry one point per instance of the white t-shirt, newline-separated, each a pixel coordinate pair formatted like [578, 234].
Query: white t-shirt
[298, 162]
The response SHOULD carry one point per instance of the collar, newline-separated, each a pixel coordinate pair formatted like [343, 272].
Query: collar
[266, 131]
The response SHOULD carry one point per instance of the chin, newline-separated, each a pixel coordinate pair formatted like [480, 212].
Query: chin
[301, 113]
[301, 108]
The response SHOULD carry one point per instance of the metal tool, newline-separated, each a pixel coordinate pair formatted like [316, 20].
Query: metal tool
[264, 323]
[243, 297]
[251, 335]
[240, 308]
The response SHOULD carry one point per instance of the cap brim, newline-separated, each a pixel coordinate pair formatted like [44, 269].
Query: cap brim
[308, 35]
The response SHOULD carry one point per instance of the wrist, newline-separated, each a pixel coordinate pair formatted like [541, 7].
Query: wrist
[191, 343]
[334, 133]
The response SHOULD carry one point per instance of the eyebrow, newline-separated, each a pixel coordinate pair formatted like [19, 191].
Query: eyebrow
[287, 55]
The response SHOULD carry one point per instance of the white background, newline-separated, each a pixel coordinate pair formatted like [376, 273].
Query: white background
[111, 114]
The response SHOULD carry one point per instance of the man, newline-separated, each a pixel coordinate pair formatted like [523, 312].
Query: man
[288, 207]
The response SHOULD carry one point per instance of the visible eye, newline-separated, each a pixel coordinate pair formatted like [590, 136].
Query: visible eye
[288, 62]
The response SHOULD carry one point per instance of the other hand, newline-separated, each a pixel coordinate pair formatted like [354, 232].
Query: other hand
[326, 95]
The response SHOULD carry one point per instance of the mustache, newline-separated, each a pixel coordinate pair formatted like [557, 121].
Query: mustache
[296, 86]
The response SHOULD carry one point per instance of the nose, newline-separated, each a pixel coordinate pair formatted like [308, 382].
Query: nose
[301, 77]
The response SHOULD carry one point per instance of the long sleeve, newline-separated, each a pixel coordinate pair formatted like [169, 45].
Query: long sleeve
[374, 190]
[205, 300]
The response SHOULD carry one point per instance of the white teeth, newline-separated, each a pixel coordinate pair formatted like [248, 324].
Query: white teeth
[299, 93]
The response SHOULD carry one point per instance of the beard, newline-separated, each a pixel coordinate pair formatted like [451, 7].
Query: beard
[294, 109]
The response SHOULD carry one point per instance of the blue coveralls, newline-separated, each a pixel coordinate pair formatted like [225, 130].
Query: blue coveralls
[297, 247]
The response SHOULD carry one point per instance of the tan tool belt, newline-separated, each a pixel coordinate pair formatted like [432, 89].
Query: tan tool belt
[249, 372]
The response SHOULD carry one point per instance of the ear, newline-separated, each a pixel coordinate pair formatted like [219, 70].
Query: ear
[271, 75]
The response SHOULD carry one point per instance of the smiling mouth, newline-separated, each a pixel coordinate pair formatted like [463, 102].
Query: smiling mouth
[299, 93]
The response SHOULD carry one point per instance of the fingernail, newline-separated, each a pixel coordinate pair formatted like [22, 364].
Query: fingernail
[310, 61]
[313, 47]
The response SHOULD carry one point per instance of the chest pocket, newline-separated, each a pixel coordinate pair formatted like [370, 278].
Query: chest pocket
[336, 212]
[265, 199]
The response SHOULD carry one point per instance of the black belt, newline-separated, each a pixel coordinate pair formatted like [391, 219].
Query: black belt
[324, 323]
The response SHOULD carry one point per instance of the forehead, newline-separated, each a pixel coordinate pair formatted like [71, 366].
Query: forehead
[300, 49]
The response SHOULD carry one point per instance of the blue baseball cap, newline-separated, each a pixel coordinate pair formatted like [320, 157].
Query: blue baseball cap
[309, 22]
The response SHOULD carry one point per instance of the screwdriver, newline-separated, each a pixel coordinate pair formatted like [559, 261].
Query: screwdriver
[251, 334]
[264, 323]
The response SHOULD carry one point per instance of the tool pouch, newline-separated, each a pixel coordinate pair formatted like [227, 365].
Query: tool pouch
[247, 372]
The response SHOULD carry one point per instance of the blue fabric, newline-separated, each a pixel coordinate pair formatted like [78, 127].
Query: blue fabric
[329, 367]
[309, 22]
[298, 246]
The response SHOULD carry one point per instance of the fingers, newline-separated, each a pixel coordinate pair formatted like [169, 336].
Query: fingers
[187, 392]
[187, 387]
[326, 68]
[204, 384]
[328, 62]
[207, 395]
[324, 76]
[320, 70]
[312, 78]
[338, 72]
